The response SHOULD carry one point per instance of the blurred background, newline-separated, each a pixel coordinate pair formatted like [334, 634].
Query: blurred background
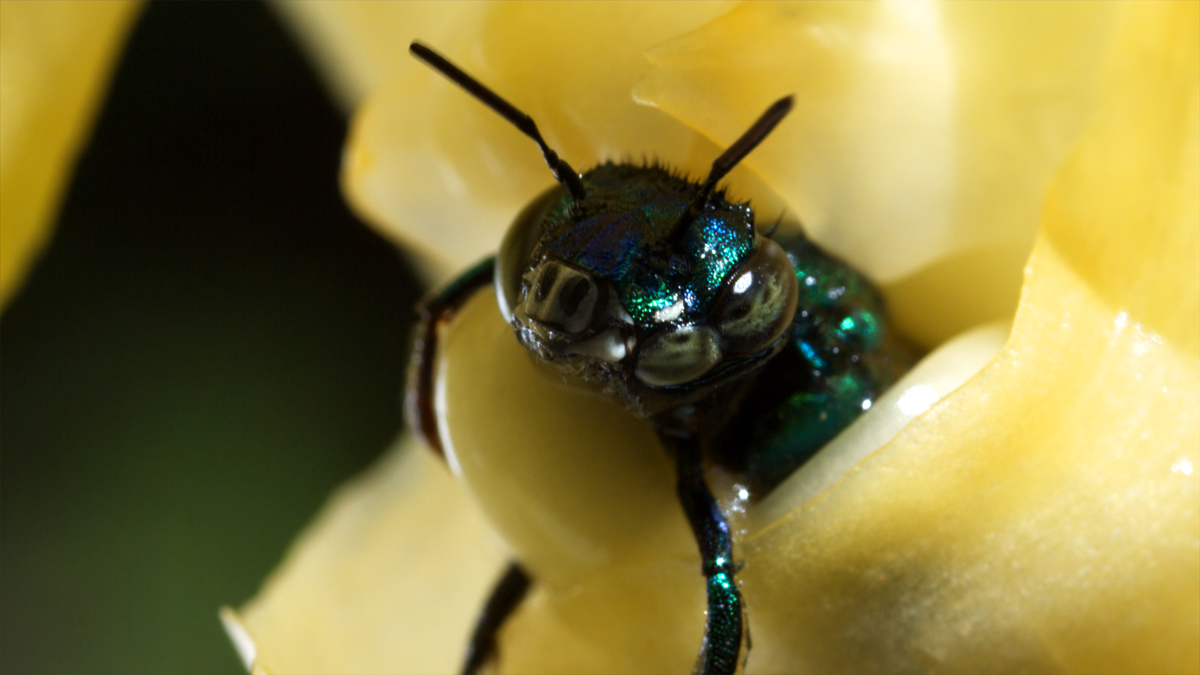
[209, 346]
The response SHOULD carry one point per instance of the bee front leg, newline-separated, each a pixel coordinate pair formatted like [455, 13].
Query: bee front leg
[436, 311]
[725, 628]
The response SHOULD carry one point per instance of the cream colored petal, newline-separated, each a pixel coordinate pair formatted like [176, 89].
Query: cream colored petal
[935, 377]
[389, 579]
[1045, 517]
[571, 481]
[361, 45]
[1042, 518]
[585, 496]
[437, 170]
[55, 61]
[923, 133]
[582, 491]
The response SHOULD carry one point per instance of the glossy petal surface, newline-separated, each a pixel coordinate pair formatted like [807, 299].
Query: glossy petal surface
[436, 169]
[924, 132]
[387, 580]
[1044, 517]
[360, 44]
[55, 60]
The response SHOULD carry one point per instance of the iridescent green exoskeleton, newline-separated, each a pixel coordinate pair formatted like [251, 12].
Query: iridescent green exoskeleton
[663, 294]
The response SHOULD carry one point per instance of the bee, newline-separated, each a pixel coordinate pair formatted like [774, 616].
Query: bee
[664, 295]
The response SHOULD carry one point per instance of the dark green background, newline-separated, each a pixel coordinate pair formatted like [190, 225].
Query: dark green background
[209, 346]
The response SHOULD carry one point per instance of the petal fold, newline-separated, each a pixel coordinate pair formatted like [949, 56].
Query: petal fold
[389, 579]
[438, 171]
[361, 45]
[923, 138]
[1044, 517]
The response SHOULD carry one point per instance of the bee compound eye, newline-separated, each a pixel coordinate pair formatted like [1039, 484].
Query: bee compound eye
[757, 302]
[678, 356]
[562, 297]
[512, 262]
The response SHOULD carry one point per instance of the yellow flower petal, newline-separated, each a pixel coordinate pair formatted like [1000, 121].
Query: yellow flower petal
[387, 580]
[924, 133]
[1045, 517]
[572, 482]
[55, 59]
[440, 172]
[586, 493]
[360, 45]
[582, 493]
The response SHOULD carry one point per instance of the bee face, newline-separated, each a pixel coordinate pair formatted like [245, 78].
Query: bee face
[608, 288]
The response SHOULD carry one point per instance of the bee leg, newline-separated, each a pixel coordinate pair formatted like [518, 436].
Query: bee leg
[435, 311]
[724, 629]
[505, 599]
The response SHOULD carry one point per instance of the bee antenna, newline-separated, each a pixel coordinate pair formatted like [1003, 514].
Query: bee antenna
[562, 171]
[730, 158]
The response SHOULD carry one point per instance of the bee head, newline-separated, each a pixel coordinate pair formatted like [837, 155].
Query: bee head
[652, 287]
[613, 291]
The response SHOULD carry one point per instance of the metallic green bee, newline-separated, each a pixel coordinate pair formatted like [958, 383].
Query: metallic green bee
[664, 295]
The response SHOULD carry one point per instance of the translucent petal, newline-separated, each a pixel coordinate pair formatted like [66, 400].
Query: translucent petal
[581, 492]
[923, 132]
[55, 60]
[437, 170]
[1046, 516]
[387, 580]
[361, 45]
[571, 481]
[586, 494]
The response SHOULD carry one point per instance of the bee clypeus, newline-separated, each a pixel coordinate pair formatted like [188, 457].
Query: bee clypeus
[664, 295]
